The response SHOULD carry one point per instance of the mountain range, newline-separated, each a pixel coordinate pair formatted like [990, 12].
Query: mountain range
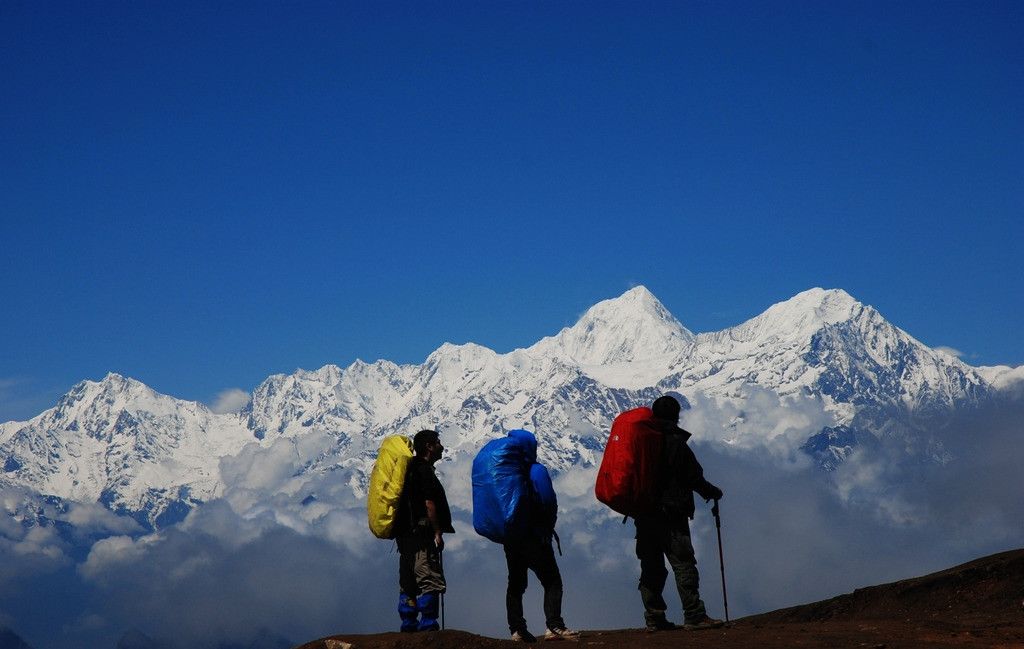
[153, 457]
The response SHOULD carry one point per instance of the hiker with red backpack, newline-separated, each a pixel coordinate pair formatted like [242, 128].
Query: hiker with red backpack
[422, 517]
[514, 504]
[649, 473]
[665, 532]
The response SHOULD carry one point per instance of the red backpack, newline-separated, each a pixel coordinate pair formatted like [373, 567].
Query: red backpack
[627, 478]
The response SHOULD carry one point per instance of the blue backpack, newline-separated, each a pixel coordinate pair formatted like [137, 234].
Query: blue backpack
[512, 493]
[545, 513]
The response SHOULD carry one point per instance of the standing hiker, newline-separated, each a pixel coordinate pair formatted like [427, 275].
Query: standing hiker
[423, 517]
[665, 533]
[514, 504]
[534, 552]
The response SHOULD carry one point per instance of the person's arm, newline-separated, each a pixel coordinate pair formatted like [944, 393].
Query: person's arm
[434, 524]
[696, 479]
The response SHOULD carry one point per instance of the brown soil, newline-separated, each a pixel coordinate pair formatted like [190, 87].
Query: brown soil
[977, 604]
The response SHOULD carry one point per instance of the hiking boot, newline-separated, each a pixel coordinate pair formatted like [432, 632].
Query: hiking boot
[561, 634]
[704, 623]
[523, 636]
[660, 625]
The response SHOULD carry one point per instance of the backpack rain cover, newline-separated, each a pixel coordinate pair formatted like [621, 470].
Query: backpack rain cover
[546, 510]
[386, 482]
[626, 480]
[501, 486]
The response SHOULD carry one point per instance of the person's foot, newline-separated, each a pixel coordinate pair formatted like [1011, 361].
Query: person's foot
[704, 623]
[561, 634]
[660, 625]
[523, 635]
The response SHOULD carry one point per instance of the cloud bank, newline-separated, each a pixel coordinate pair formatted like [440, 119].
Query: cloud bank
[291, 553]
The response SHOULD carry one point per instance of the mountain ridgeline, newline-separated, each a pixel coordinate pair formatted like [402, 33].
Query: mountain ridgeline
[154, 457]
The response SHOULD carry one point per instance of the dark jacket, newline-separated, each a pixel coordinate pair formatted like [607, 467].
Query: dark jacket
[680, 474]
[421, 485]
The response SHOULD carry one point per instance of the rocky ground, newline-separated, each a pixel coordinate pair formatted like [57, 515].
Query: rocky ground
[977, 604]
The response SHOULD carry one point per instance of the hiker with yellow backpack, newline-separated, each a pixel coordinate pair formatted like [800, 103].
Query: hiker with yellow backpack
[406, 502]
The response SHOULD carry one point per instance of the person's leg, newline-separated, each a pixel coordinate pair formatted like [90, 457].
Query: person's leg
[543, 564]
[684, 564]
[431, 583]
[408, 590]
[517, 582]
[649, 550]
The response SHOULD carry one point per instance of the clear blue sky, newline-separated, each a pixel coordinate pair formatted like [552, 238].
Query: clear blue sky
[201, 194]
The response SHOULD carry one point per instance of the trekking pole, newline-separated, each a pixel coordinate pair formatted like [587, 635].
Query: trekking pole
[440, 561]
[721, 560]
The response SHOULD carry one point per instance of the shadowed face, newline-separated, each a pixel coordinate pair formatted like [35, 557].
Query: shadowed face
[435, 449]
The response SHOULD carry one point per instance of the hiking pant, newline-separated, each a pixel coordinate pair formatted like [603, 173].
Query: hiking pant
[656, 540]
[421, 581]
[419, 565]
[536, 554]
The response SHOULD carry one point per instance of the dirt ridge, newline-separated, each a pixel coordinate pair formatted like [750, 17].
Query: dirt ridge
[976, 604]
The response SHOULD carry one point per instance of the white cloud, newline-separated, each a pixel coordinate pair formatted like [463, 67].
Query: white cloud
[93, 517]
[759, 420]
[875, 520]
[1011, 381]
[949, 351]
[110, 553]
[231, 400]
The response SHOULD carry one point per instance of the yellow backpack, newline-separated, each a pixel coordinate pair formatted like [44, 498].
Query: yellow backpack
[386, 482]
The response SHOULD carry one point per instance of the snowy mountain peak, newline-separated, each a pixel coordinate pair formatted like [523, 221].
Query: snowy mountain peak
[113, 392]
[632, 327]
[800, 317]
[328, 374]
[639, 294]
[821, 306]
[467, 353]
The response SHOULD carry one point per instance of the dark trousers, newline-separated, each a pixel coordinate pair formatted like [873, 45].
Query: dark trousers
[656, 540]
[536, 554]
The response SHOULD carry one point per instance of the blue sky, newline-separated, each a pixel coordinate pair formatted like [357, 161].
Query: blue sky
[199, 195]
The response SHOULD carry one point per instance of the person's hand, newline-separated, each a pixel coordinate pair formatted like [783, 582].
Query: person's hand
[438, 541]
[715, 493]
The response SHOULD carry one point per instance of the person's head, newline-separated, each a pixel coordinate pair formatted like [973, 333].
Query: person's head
[427, 444]
[666, 408]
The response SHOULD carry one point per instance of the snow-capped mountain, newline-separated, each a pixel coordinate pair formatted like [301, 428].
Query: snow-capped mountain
[827, 343]
[118, 442]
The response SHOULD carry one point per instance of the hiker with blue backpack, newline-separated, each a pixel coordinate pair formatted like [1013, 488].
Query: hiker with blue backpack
[514, 504]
